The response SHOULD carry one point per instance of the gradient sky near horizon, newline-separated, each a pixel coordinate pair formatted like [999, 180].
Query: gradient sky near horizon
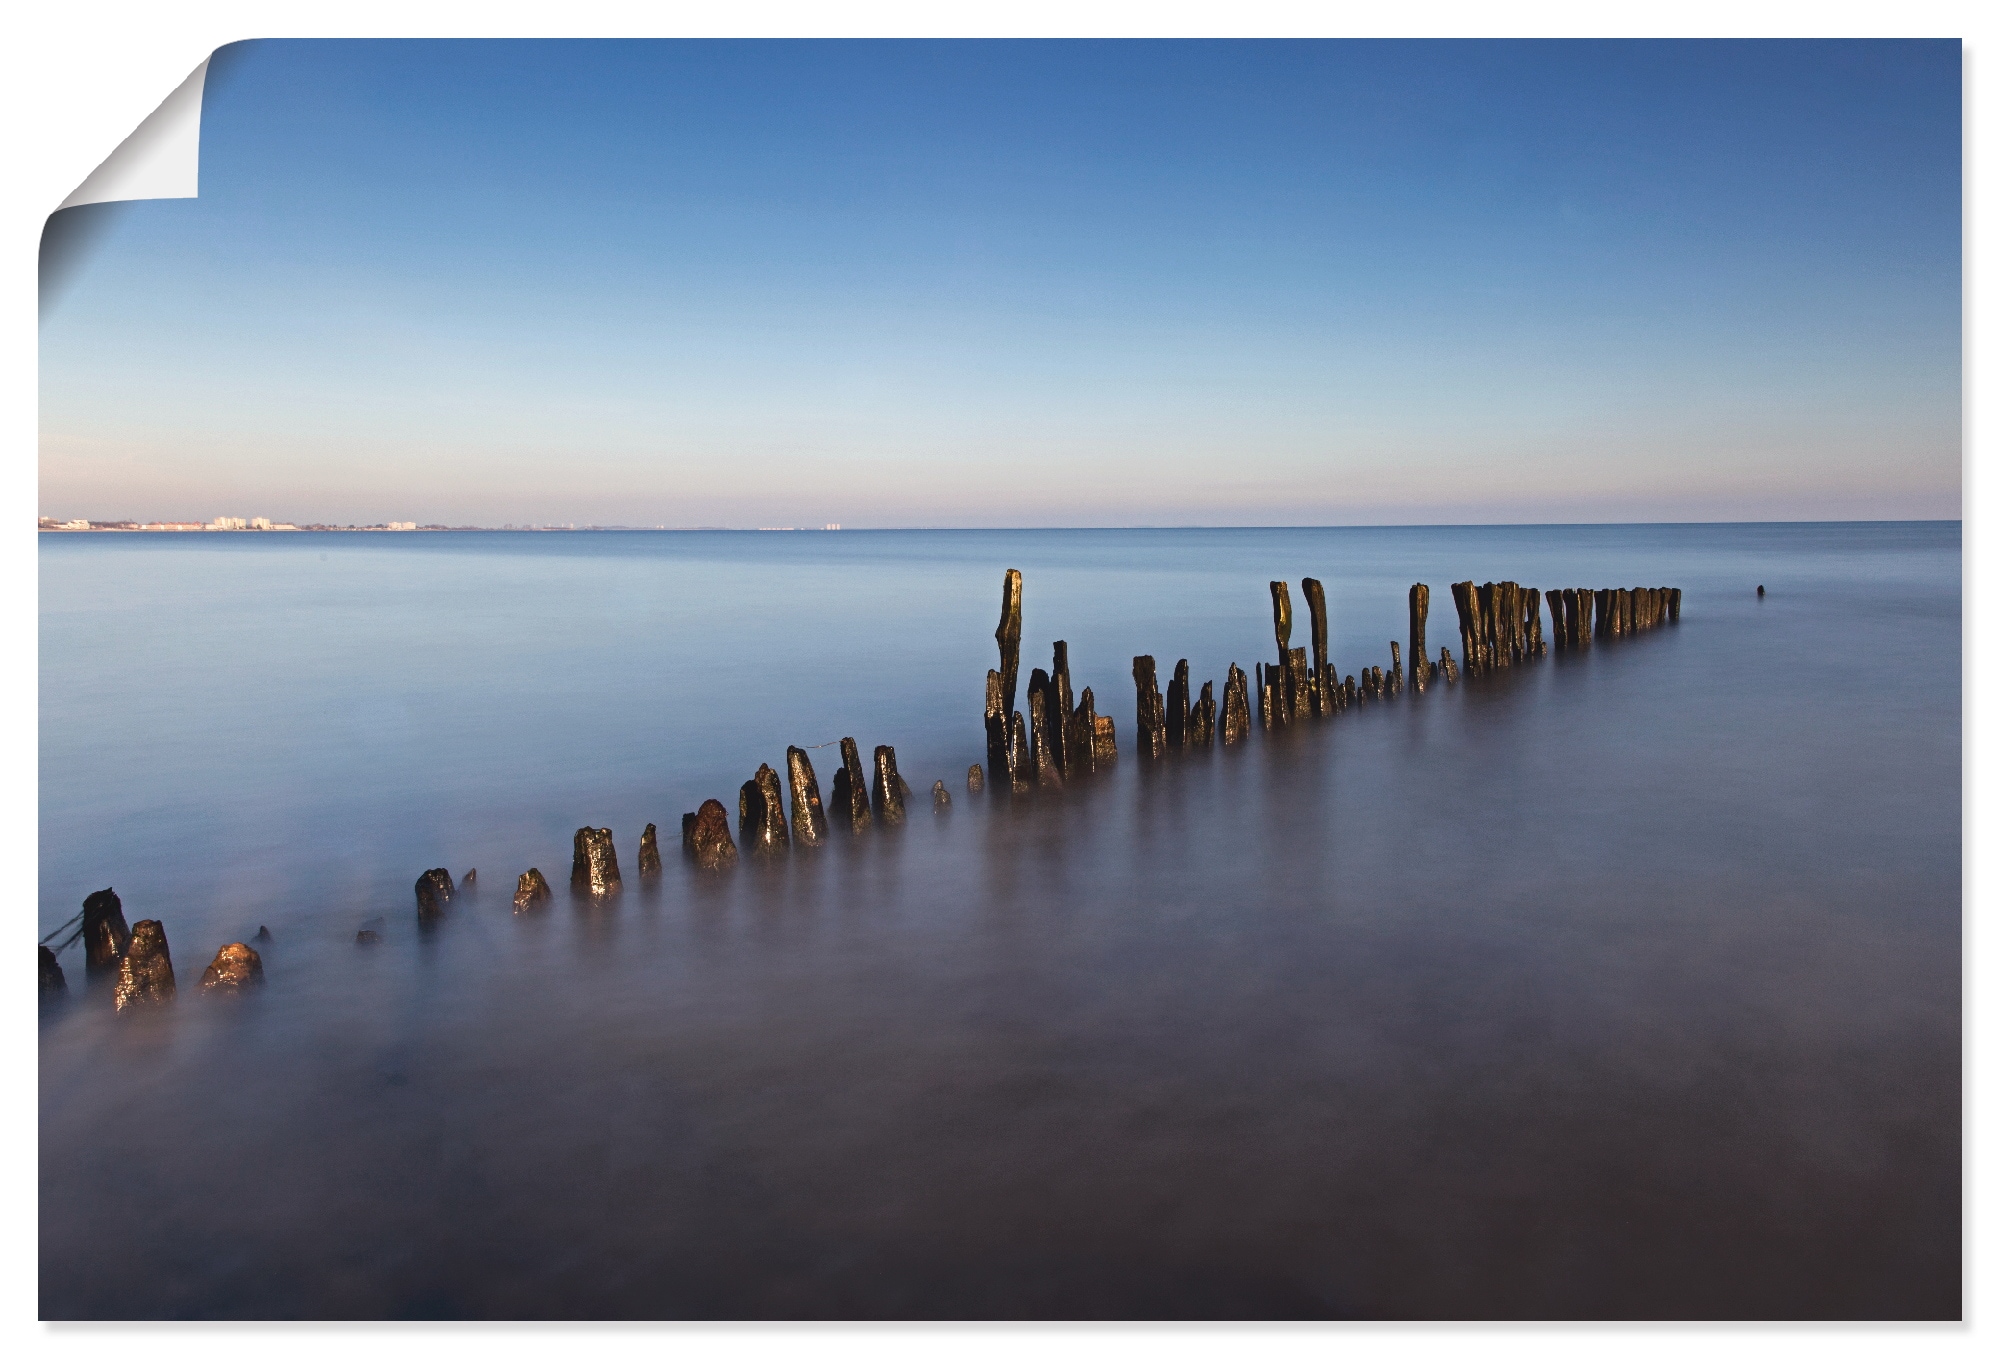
[983, 284]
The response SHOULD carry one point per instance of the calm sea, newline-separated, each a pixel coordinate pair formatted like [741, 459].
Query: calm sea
[1623, 985]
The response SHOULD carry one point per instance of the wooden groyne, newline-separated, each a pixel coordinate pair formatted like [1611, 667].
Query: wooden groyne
[1059, 739]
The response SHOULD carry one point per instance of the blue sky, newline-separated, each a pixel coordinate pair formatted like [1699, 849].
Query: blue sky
[746, 284]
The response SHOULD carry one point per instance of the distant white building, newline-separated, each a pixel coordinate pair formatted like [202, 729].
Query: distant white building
[260, 523]
[404, 527]
[223, 521]
[77, 524]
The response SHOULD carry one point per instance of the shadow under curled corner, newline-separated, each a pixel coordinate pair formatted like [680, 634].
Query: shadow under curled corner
[70, 238]
[160, 159]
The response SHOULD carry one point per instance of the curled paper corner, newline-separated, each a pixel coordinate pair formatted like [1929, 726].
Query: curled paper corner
[161, 159]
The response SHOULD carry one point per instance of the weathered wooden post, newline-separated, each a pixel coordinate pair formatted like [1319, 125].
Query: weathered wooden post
[1395, 667]
[434, 893]
[105, 933]
[1008, 635]
[1466, 599]
[1446, 666]
[1177, 706]
[760, 814]
[975, 779]
[1297, 684]
[593, 869]
[850, 789]
[708, 839]
[145, 969]
[1082, 740]
[890, 792]
[1020, 759]
[1041, 728]
[1420, 612]
[997, 730]
[1235, 706]
[237, 967]
[1152, 709]
[1536, 645]
[940, 798]
[1324, 683]
[1062, 710]
[1674, 605]
[649, 853]
[1281, 625]
[808, 816]
[1201, 722]
[532, 891]
[53, 983]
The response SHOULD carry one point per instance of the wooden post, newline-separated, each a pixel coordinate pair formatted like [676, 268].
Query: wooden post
[1177, 706]
[1008, 635]
[996, 728]
[105, 932]
[1152, 709]
[145, 969]
[1465, 597]
[435, 892]
[1041, 730]
[593, 869]
[1062, 709]
[1674, 606]
[808, 817]
[891, 793]
[850, 791]
[1324, 683]
[708, 842]
[1395, 667]
[1281, 624]
[1082, 743]
[760, 814]
[1235, 706]
[649, 853]
[1201, 721]
[1420, 612]
[532, 891]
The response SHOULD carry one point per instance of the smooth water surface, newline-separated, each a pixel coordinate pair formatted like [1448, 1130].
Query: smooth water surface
[1623, 985]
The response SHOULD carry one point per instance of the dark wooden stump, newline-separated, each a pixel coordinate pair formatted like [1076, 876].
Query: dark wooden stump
[808, 816]
[52, 979]
[532, 891]
[1008, 635]
[649, 853]
[1042, 741]
[434, 893]
[708, 836]
[1201, 721]
[1420, 612]
[890, 793]
[1081, 742]
[850, 790]
[975, 779]
[1235, 706]
[105, 932]
[1152, 708]
[760, 814]
[1177, 706]
[593, 867]
[145, 969]
[1323, 681]
[236, 968]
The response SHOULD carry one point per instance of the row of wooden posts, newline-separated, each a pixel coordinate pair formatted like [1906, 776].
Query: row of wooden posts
[1058, 738]
[1499, 624]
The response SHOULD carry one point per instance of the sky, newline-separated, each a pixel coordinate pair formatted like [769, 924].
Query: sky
[1031, 284]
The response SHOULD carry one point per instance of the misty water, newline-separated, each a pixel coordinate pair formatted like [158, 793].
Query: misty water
[1625, 984]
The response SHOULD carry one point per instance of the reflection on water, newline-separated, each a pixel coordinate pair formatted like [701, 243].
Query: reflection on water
[1623, 985]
